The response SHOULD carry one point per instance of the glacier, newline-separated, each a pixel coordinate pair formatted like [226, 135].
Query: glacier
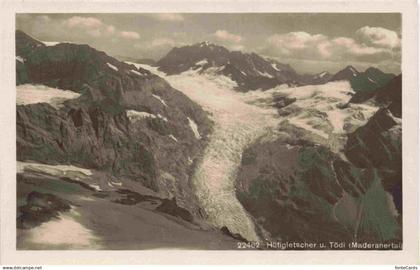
[241, 118]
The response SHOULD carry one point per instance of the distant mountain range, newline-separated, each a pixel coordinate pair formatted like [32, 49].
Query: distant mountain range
[251, 71]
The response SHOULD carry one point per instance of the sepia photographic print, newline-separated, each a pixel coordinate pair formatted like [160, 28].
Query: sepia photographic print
[237, 131]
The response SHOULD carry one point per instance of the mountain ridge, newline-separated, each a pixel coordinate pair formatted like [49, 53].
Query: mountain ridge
[251, 71]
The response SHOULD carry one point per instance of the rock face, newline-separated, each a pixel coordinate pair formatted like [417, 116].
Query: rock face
[127, 122]
[298, 190]
[367, 81]
[249, 70]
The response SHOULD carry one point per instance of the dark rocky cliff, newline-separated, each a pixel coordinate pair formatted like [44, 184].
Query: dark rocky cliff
[95, 130]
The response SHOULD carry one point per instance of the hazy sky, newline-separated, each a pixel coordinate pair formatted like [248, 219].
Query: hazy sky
[310, 42]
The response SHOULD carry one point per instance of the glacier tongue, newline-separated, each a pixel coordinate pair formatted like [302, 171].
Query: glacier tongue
[237, 124]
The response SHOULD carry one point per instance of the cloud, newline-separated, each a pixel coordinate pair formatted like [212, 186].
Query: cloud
[160, 42]
[157, 47]
[110, 29]
[226, 36]
[369, 45]
[171, 17]
[236, 47]
[378, 36]
[44, 18]
[129, 35]
[94, 32]
[295, 40]
[351, 47]
[84, 22]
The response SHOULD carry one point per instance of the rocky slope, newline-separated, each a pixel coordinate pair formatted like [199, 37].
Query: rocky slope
[299, 188]
[128, 126]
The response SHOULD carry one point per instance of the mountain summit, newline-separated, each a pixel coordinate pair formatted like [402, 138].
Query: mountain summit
[249, 70]
[369, 80]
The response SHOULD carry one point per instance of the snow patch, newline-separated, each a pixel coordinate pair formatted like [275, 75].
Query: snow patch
[96, 187]
[162, 117]
[265, 74]
[112, 66]
[136, 72]
[50, 43]
[20, 59]
[275, 67]
[33, 94]
[202, 62]
[190, 161]
[116, 183]
[396, 119]
[57, 170]
[160, 99]
[322, 75]
[63, 232]
[353, 70]
[194, 128]
[372, 80]
[134, 115]
[134, 64]
[75, 173]
[173, 138]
